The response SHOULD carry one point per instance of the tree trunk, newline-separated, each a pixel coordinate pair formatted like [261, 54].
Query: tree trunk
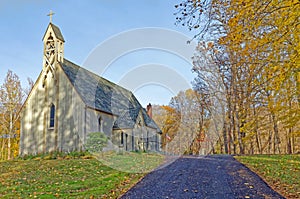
[229, 129]
[228, 115]
[9, 135]
[225, 138]
[274, 143]
[257, 134]
[289, 141]
[241, 145]
[293, 143]
[258, 142]
[270, 142]
[221, 146]
[213, 151]
[289, 135]
[276, 134]
[233, 131]
[2, 150]
[9, 149]
[251, 147]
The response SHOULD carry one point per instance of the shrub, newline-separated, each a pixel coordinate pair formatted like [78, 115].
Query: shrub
[96, 141]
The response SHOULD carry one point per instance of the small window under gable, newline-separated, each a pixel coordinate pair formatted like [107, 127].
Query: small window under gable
[52, 116]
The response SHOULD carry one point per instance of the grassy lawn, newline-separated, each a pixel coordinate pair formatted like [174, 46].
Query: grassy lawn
[65, 178]
[131, 162]
[282, 172]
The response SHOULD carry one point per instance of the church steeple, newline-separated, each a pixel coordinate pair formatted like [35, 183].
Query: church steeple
[53, 46]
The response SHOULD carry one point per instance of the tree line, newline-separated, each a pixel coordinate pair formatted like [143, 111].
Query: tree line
[247, 64]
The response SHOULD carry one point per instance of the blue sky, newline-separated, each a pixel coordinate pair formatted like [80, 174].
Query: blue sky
[86, 25]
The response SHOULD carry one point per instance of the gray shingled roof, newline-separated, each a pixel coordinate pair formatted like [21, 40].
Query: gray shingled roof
[100, 94]
[57, 32]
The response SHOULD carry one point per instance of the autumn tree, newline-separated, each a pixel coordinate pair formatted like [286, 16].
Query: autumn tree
[269, 46]
[162, 115]
[10, 103]
[182, 124]
[254, 45]
[170, 125]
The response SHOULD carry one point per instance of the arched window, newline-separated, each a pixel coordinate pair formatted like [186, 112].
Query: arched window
[100, 124]
[122, 138]
[52, 116]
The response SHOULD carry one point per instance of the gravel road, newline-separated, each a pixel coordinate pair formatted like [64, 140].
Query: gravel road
[215, 176]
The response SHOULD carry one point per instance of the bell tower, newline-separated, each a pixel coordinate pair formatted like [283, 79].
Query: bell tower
[53, 47]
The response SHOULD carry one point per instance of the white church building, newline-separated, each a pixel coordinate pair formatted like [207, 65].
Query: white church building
[67, 102]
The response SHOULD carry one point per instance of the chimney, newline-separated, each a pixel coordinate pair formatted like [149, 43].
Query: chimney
[149, 110]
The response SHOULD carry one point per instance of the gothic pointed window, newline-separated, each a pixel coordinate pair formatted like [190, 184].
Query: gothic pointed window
[52, 116]
[100, 124]
[122, 138]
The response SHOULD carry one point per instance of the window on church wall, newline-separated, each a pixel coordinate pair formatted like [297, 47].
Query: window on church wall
[122, 138]
[52, 116]
[147, 141]
[126, 137]
[100, 124]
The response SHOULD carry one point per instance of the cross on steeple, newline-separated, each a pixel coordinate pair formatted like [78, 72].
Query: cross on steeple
[50, 15]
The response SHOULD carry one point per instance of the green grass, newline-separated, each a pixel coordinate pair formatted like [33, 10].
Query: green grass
[282, 172]
[131, 162]
[70, 178]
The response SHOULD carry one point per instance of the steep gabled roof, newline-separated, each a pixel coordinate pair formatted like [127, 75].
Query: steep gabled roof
[56, 31]
[103, 95]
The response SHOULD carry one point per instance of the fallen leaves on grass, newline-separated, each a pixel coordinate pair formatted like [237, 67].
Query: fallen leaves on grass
[62, 178]
[278, 170]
